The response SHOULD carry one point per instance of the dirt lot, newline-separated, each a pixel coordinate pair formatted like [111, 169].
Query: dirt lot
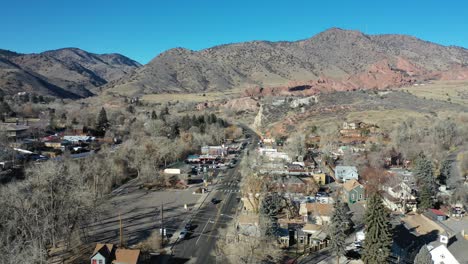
[140, 213]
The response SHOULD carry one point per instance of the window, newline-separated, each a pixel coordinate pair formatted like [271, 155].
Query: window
[100, 261]
[360, 196]
[352, 196]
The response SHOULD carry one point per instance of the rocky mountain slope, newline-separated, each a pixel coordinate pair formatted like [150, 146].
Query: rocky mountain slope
[67, 73]
[335, 59]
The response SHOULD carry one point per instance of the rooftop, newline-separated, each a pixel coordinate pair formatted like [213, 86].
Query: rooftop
[126, 256]
[319, 209]
[103, 249]
[351, 184]
[421, 224]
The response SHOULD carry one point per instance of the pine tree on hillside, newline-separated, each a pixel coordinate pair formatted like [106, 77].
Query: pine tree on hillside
[378, 234]
[102, 121]
[423, 256]
[337, 230]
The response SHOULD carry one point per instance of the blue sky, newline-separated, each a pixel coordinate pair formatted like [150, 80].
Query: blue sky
[143, 29]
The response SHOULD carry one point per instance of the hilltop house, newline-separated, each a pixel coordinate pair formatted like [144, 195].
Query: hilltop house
[353, 191]
[346, 173]
[352, 125]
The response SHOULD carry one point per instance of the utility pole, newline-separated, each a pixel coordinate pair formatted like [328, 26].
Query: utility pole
[121, 231]
[297, 239]
[162, 225]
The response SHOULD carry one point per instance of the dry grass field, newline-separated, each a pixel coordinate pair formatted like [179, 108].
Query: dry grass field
[422, 104]
[448, 91]
[190, 97]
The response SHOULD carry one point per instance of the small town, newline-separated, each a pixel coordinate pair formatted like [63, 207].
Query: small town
[243, 132]
[281, 197]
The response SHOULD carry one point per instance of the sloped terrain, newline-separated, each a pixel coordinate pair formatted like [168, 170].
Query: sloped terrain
[68, 73]
[332, 60]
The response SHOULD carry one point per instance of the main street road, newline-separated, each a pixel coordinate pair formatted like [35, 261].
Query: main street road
[200, 245]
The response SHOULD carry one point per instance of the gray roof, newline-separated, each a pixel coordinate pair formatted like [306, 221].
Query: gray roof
[343, 171]
[459, 247]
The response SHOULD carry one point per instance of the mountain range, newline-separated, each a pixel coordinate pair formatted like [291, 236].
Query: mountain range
[66, 73]
[335, 59]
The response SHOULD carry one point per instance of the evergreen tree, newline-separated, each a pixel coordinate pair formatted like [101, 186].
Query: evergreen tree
[213, 118]
[445, 171]
[201, 119]
[423, 256]
[337, 230]
[165, 110]
[154, 115]
[186, 123]
[5, 109]
[195, 120]
[131, 109]
[102, 121]
[52, 122]
[423, 171]
[425, 198]
[34, 99]
[378, 234]
[175, 130]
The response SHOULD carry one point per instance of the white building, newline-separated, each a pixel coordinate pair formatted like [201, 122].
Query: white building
[441, 255]
[346, 173]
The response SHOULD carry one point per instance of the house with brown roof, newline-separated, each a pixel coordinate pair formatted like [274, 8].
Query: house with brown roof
[316, 213]
[353, 191]
[109, 254]
[126, 256]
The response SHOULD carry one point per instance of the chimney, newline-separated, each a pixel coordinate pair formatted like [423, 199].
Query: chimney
[443, 239]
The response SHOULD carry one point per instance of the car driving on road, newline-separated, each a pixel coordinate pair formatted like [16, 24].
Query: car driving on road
[183, 234]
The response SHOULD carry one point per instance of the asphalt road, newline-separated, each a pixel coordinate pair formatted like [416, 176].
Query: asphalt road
[200, 242]
[200, 245]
